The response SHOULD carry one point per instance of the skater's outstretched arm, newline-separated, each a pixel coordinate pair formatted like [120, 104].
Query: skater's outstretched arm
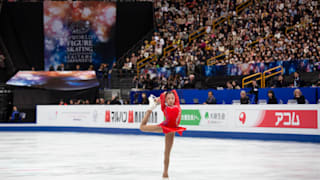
[177, 101]
[163, 101]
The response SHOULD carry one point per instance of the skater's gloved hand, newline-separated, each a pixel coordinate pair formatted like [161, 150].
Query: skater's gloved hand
[152, 102]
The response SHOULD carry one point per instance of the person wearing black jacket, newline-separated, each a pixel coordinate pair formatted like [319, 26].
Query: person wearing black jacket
[255, 91]
[211, 99]
[280, 82]
[299, 97]
[115, 100]
[144, 99]
[244, 99]
[61, 67]
[272, 98]
[297, 81]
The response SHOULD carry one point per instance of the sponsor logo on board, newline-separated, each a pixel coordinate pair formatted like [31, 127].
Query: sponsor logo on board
[190, 117]
[289, 119]
[242, 117]
[129, 116]
[215, 118]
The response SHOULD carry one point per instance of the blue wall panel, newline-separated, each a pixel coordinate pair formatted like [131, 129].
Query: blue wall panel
[226, 96]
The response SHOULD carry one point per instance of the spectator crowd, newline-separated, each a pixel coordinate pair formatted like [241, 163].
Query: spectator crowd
[266, 31]
[250, 97]
[114, 101]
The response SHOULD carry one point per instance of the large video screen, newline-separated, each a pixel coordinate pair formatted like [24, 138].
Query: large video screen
[79, 32]
[55, 80]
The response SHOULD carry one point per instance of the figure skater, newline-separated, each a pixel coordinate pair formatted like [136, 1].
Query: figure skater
[170, 106]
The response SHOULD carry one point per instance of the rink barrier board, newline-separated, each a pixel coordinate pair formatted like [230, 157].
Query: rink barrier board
[257, 122]
[290, 119]
[190, 133]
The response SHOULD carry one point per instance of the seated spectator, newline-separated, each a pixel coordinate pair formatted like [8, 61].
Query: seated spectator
[280, 82]
[255, 91]
[229, 85]
[144, 99]
[97, 101]
[127, 65]
[51, 68]
[136, 98]
[15, 114]
[71, 102]
[211, 99]
[244, 99]
[235, 85]
[126, 102]
[316, 83]
[100, 76]
[91, 68]
[78, 68]
[190, 83]
[102, 101]
[299, 97]
[133, 60]
[148, 82]
[60, 67]
[62, 103]
[79, 101]
[272, 98]
[115, 100]
[137, 83]
[297, 81]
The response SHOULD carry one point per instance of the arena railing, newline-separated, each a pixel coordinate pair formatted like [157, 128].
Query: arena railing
[262, 76]
[290, 29]
[212, 60]
[171, 48]
[142, 63]
[220, 20]
[196, 34]
[258, 40]
[256, 76]
[269, 73]
[241, 7]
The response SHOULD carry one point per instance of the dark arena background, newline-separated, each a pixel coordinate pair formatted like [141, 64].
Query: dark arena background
[75, 77]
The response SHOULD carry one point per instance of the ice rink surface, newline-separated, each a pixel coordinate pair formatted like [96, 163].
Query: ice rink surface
[68, 156]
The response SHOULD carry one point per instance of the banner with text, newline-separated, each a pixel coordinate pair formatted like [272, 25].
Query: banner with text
[303, 119]
[79, 32]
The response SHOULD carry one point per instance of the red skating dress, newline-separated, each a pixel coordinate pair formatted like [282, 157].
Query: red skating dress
[172, 115]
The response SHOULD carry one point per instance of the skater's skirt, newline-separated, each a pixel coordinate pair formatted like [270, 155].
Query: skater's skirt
[167, 129]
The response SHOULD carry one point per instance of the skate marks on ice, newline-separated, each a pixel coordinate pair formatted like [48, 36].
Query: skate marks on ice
[122, 157]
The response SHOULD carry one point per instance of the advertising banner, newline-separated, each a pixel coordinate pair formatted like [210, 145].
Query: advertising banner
[56, 80]
[278, 118]
[79, 32]
[235, 118]
[96, 115]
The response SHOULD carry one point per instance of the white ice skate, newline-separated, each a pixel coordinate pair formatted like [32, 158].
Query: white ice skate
[152, 102]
